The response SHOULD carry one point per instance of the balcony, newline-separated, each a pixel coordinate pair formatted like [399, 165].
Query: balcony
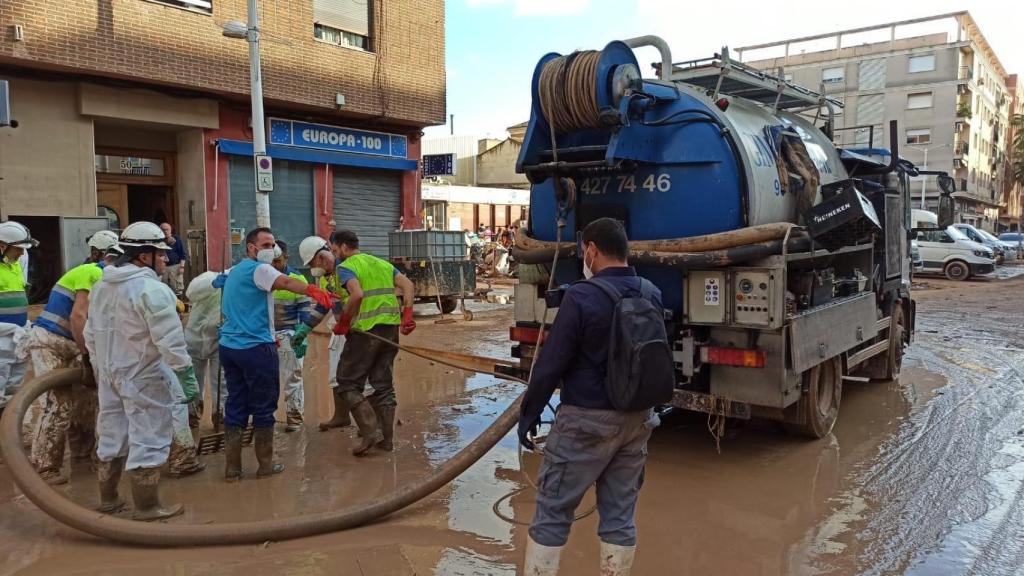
[961, 149]
[965, 73]
[963, 112]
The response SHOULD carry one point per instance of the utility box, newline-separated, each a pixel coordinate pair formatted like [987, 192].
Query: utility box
[427, 245]
[74, 236]
[5, 103]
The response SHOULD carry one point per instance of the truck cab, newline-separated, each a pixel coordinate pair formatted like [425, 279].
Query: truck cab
[948, 251]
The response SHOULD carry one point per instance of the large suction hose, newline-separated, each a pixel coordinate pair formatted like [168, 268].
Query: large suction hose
[703, 243]
[157, 534]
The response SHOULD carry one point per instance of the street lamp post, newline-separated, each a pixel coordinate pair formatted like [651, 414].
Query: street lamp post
[924, 179]
[251, 32]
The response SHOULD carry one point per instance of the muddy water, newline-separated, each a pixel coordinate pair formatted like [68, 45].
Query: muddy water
[922, 475]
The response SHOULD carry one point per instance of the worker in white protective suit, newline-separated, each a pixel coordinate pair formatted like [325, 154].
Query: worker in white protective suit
[202, 336]
[15, 240]
[137, 345]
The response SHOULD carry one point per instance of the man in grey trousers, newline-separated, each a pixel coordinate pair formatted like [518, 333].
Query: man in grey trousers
[590, 442]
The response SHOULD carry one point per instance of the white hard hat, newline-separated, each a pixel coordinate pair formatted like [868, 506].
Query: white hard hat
[15, 234]
[310, 246]
[144, 234]
[104, 240]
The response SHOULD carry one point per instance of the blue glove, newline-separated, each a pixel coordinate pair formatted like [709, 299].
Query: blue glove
[189, 385]
[526, 429]
[219, 281]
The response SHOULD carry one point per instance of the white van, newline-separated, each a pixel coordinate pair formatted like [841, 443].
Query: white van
[948, 251]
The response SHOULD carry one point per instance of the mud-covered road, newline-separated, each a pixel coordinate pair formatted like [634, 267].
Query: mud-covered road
[922, 476]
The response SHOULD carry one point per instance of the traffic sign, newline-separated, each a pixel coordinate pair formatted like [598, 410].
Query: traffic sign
[264, 173]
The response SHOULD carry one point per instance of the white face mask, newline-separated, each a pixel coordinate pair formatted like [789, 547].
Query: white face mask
[265, 256]
[587, 272]
[317, 272]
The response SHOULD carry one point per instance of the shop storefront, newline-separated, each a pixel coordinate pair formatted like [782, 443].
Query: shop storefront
[325, 178]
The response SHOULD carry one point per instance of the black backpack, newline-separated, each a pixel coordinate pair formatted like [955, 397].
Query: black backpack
[641, 372]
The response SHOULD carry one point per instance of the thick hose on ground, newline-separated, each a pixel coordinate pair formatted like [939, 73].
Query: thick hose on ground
[157, 534]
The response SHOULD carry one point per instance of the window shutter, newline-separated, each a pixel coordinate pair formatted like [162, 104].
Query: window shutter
[348, 15]
[872, 74]
[924, 63]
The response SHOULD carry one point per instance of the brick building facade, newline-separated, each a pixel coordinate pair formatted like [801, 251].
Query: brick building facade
[140, 109]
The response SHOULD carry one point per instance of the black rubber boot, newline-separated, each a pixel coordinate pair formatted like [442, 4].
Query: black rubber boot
[146, 495]
[233, 453]
[109, 476]
[341, 418]
[263, 439]
[386, 415]
[369, 428]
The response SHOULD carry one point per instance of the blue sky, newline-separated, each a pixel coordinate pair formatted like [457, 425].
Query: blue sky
[492, 46]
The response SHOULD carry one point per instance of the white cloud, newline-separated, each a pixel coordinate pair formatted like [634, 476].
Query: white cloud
[537, 7]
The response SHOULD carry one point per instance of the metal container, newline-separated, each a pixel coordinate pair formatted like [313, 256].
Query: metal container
[427, 245]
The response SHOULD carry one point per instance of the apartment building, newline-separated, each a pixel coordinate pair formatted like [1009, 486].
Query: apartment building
[1011, 216]
[938, 77]
[139, 110]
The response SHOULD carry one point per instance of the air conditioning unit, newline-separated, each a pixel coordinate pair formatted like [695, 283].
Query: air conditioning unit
[958, 163]
[958, 126]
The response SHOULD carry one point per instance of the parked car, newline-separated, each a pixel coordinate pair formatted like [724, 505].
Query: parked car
[916, 263]
[1010, 249]
[980, 237]
[1015, 239]
[948, 251]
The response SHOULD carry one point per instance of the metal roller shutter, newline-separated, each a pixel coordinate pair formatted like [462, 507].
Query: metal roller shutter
[292, 205]
[368, 203]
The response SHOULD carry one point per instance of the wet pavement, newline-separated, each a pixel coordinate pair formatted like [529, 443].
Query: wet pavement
[924, 475]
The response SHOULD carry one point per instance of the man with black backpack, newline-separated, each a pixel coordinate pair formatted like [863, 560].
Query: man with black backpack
[608, 350]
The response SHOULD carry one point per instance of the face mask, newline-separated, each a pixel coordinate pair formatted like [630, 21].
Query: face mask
[265, 256]
[587, 272]
[317, 272]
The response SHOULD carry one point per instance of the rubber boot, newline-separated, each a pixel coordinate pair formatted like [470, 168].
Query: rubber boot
[616, 560]
[369, 428]
[233, 453]
[541, 560]
[293, 422]
[263, 439]
[109, 476]
[386, 415]
[146, 495]
[341, 418]
[183, 459]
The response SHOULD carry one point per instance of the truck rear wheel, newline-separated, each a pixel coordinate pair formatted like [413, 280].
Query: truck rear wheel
[897, 342]
[957, 270]
[815, 413]
[448, 304]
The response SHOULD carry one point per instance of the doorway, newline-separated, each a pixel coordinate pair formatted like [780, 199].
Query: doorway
[133, 186]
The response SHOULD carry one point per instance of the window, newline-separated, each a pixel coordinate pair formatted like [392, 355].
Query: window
[832, 75]
[924, 63]
[919, 100]
[343, 22]
[339, 37]
[921, 136]
[204, 6]
[788, 77]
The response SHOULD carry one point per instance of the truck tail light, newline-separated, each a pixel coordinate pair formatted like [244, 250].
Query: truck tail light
[524, 335]
[732, 357]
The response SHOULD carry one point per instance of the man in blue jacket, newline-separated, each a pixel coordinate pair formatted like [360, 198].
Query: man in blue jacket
[174, 274]
[590, 442]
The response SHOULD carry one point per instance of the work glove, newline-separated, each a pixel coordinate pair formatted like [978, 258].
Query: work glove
[299, 349]
[322, 297]
[299, 337]
[189, 385]
[527, 428]
[219, 281]
[88, 377]
[408, 324]
[343, 325]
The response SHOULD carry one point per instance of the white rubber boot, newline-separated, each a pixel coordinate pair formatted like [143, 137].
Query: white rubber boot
[616, 560]
[541, 560]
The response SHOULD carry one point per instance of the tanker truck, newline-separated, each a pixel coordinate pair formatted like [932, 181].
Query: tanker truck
[783, 261]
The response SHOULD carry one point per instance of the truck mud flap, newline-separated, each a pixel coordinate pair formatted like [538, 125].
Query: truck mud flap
[708, 404]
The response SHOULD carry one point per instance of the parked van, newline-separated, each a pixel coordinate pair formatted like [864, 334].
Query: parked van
[992, 243]
[948, 251]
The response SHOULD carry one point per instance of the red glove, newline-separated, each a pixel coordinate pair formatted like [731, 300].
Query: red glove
[343, 325]
[408, 324]
[324, 298]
